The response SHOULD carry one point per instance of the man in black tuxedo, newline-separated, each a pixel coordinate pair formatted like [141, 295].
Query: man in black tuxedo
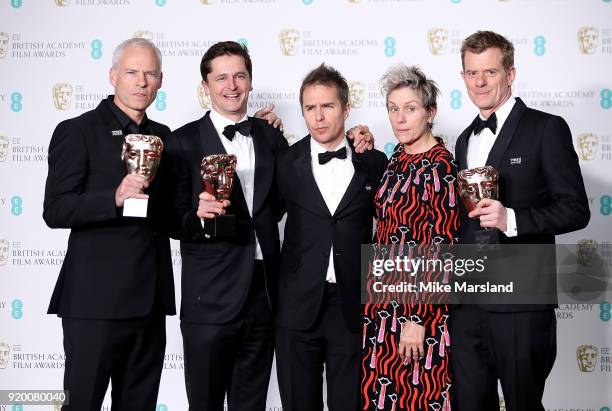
[541, 195]
[328, 192]
[228, 275]
[115, 286]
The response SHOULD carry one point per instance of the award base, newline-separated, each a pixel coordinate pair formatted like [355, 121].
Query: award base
[135, 207]
[222, 226]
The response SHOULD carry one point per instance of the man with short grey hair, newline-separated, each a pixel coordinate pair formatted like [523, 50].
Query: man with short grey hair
[115, 286]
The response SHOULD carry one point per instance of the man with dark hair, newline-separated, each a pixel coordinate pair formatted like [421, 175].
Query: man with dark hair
[225, 48]
[541, 195]
[328, 192]
[228, 276]
[326, 76]
[115, 286]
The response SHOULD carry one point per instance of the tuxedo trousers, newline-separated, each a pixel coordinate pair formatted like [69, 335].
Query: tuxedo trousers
[516, 348]
[302, 355]
[233, 359]
[128, 352]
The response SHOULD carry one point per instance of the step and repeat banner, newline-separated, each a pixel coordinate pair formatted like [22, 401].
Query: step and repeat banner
[54, 62]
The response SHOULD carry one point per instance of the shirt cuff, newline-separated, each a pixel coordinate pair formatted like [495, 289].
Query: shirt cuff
[511, 229]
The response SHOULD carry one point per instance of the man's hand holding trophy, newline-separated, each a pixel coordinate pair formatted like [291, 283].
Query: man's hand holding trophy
[217, 176]
[479, 189]
[141, 155]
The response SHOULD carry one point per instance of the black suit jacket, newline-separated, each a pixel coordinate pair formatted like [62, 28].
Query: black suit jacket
[539, 178]
[311, 230]
[114, 264]
[217, 271]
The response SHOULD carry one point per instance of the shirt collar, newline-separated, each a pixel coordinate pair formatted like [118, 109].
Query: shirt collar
[220, 121]
[316, 148]
[123, 119]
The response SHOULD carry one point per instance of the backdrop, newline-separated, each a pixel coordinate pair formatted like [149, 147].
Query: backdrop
[54, 61]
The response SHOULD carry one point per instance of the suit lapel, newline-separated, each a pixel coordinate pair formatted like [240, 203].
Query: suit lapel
[309, 193]
[114, 129]
[209, 139]
[264, 167]
[356, 185]
[505, 134]
[461, 148]
[156, 131]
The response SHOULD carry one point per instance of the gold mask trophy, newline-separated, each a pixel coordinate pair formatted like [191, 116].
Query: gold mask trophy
[474, 185]
[217, 176]
[141, 155]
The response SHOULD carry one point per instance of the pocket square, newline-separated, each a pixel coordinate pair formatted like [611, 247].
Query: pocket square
[117, 132]
[368, 187]
[516, 161]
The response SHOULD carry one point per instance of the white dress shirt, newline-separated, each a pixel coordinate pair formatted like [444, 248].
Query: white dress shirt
[333, 179]
[478, 150]
[242, 147]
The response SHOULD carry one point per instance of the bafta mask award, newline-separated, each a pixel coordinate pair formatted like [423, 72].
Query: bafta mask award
[474, 185]
[217, 177]
[141, 154]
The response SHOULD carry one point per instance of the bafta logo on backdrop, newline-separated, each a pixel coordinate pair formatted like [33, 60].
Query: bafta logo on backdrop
[206, 1]
[289, 41]
[586, 356]
[437, 39]
[4, 148]
[143, 34]
[588, 39]
[4, 44]
[62, 2]
[204, 100]
[4, 251]
[587, 146]
[356, 94]
[5, 350]
[62, 95]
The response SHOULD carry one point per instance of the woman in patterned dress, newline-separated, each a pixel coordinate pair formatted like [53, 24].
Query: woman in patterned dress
[405, 347]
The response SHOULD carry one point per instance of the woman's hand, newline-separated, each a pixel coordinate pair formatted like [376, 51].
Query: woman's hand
[411, 342]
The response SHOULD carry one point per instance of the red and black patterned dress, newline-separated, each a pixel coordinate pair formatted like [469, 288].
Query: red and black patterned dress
[416, 204]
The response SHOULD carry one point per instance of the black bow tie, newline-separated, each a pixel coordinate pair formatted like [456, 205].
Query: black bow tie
[328, 155]
[480, 124]
[243, 128]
